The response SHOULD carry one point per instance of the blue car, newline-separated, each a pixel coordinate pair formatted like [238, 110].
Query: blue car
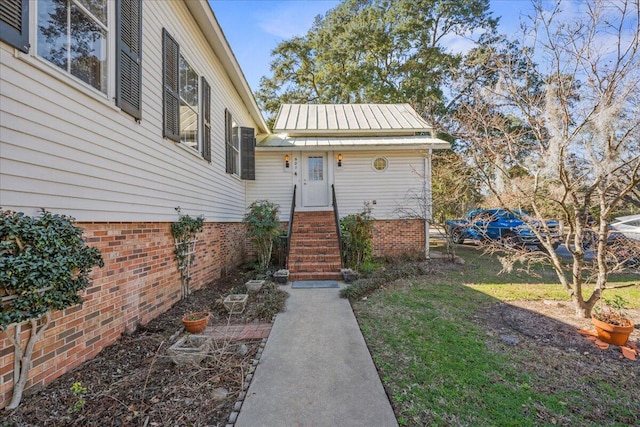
[508, 227]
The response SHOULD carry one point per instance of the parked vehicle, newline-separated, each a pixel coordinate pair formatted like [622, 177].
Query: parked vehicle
[628, 226]
[512, 228]
[624, 241]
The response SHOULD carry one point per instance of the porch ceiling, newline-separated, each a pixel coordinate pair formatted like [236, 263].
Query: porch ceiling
[284, 142]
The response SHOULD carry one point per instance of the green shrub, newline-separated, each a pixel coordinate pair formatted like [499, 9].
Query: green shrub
[184, 233]
[367, 285]
[262, 227]
[357, 243]
[44, 263]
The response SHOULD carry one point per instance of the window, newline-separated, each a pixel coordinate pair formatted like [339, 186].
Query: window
[380, 163]
[232, 146]
[73, 35]
[188, 89]
[240, 145]
[186, 100]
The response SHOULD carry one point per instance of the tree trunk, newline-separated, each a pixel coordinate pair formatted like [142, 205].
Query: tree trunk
[24, 359]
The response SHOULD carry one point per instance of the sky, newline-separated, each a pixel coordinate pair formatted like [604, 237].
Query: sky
[254, 28]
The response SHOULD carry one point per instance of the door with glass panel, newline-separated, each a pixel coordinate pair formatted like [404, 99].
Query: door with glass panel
[315, 189]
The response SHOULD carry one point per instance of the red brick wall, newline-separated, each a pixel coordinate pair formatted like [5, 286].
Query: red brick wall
[397, 237]
[139, 281]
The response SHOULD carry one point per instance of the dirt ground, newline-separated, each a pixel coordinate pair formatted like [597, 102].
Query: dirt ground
[552, 324]
[134, 382]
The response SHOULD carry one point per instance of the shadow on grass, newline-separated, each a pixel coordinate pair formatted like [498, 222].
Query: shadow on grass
[451, 355]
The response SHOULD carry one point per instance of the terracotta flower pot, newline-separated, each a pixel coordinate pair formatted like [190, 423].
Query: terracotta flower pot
[196, 322]
[612, 334]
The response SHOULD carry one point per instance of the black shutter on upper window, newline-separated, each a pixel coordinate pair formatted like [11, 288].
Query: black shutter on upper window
[205, 118]
[247, 154]
[170, 82]
[228, 124]
[129, 56]
[14, 23]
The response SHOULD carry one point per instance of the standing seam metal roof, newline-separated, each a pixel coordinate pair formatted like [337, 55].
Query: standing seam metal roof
[348, 118]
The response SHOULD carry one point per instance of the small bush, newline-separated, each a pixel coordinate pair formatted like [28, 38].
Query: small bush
[262, 227]
[272, 301]
[357, 241]
[365, 286]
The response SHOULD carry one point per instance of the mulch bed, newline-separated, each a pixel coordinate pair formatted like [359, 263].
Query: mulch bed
[135, 383]
[554, 324]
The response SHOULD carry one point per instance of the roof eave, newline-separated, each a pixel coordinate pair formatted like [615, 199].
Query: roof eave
[368, 147]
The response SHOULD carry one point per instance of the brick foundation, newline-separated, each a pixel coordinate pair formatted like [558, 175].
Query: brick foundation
[139, 281]
[398, 237]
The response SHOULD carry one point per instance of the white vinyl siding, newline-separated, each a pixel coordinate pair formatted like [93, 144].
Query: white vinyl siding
[73, 153]
[400, 184]
[356, 182]
[273, 181]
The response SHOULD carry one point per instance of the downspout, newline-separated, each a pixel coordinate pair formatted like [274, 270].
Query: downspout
[427, 202]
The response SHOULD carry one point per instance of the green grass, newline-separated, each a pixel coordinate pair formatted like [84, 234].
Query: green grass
[442, 367]
[482, 275]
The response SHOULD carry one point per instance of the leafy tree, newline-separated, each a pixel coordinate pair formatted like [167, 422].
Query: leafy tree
[376, 51]
[44, 263]
[557, 131]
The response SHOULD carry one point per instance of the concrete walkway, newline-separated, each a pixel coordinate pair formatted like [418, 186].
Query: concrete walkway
[316, 370]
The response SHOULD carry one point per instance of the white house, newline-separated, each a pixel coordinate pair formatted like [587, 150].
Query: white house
[116, 112]
[364, 153]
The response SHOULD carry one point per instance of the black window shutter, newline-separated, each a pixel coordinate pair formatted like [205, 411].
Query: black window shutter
[205, 118]
[247, 154]
[129, 56]
[14, 23]
[170, 92]
[228, 124]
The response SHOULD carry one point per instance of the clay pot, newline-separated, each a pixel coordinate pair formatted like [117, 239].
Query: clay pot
[196, 322]
[612, 334]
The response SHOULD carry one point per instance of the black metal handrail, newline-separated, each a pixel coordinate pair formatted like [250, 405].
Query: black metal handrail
[337, 218]
[290, 228]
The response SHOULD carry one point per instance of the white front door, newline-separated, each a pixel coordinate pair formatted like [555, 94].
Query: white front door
[315, 189]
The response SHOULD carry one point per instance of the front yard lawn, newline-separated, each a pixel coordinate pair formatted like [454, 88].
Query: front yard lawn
[465, 346]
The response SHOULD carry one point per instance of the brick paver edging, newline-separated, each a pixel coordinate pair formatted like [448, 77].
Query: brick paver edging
[249, 331]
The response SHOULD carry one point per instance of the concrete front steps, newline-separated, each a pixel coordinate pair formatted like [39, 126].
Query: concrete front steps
[314, 253]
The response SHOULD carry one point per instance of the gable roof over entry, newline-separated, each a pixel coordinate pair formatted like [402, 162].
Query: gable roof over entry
[351, 127]
[349, 119]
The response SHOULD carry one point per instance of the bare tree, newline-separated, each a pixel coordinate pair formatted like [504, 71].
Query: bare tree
[557, 132]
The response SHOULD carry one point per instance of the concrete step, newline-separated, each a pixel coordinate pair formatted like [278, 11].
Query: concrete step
[328, 275]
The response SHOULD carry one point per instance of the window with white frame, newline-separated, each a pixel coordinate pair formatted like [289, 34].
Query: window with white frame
[239, 149]
[188, 90]
[186, 100]
[74, 35]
